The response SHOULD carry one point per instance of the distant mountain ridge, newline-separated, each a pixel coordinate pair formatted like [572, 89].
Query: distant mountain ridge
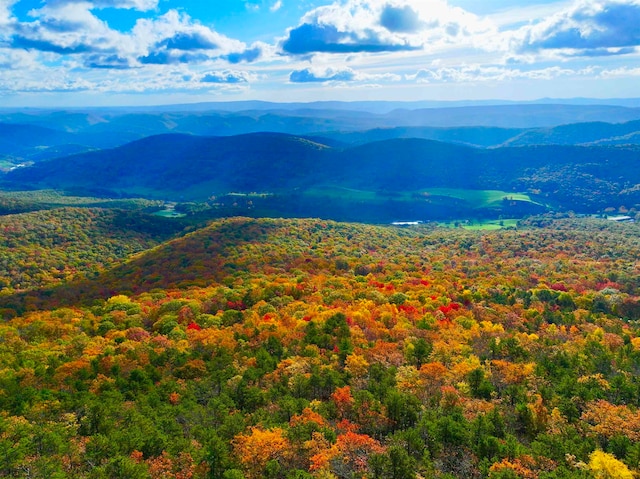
[314, 118]
[372, 106]
[61, 134]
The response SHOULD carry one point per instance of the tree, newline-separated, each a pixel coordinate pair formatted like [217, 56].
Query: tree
[606, 466]
[255, 449]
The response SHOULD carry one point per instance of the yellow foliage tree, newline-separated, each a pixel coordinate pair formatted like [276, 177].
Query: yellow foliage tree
[260, 446]
[606, 466]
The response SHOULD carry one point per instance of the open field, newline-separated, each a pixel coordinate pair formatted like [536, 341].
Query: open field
[479, 198]
[457, 202]
[486, 225]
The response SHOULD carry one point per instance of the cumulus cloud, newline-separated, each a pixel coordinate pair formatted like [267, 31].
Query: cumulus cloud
[61, 80]
[65, 29]
[324, 75]
[354, 26]
[67, 43]
[309, 75]
[310, 38]
[621, 72]
[69, 27]
[227, 77]
[49, 46]
[112, 62]
[58, 80]
[193, 40]
[592, 27]
[175, 38]
[602, 52]
[255, 52]
[12, 61]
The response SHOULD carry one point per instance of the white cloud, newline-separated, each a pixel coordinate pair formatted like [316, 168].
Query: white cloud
[587, 28]
[276, 6]
[5, 13]
[70, 28]
[345, 44]
[13, 61]
[622, 72]
[66, 28]
[252, 7]
[384, 26]
[141, 81]
[57, 80]
[343, 74]
[228, 77]
[175, 38]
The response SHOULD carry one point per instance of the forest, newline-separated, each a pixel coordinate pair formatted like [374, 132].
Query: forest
[323, 239]
[305, 348]
[380, 181]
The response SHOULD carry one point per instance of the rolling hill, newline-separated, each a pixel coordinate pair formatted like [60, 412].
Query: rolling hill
[23, 143]
[584, 134]
[174, 166]
[49, 247]
[191, 168]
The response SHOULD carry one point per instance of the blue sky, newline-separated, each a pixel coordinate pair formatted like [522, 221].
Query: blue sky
[137, 52]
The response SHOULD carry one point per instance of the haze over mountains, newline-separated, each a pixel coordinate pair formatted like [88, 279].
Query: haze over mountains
[41, 134]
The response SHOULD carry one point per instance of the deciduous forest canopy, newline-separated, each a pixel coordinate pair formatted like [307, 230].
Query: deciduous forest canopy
[319, 239]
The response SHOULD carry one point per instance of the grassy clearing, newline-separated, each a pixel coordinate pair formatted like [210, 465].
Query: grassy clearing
[475, 198]
[169, 213]
[492, 225]
[481, 225]
[478, 198]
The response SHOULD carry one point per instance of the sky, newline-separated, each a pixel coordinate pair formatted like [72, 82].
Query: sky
[154, 52]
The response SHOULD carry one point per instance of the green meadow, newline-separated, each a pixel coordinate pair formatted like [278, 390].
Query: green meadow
[474, 198]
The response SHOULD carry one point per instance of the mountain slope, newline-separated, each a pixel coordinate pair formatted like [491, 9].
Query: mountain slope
[575, 134]
[29, 142]
[594, 133]
[212, 253]
[48, 247]
[483, 137]
[183, 165]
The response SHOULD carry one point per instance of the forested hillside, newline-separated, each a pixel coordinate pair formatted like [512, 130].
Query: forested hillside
[287, 170]
[49, 247]
[307, 348]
